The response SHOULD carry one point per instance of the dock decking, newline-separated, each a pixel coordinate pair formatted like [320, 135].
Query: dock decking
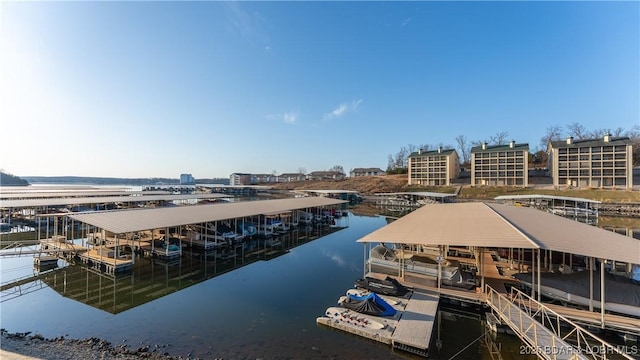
[413, 332]
[409, 330]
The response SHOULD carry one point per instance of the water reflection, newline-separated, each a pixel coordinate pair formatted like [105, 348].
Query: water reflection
[151, 279]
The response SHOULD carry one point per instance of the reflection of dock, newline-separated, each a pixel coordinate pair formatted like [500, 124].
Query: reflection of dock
[107, 259]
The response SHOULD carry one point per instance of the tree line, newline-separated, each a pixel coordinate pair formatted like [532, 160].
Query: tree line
[398, 162]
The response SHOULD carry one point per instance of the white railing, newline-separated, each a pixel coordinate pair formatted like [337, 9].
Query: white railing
[547, 333]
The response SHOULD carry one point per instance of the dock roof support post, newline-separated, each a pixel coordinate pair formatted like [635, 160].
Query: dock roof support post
[439, 260]
[602, 293]
[166, 242]
[591, 283]
[364, 267]
[133, 248]
[481, 252]
[401, 262]
[538, 256]
[116, 253]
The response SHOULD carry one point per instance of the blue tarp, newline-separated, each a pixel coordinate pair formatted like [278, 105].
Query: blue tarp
[387, 310]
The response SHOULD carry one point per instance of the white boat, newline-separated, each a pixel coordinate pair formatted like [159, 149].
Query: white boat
[352, 318]
[424, 264]
[304, 217]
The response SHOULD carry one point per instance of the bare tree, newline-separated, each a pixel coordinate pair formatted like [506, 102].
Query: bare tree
[337, 168]
[618, 132]
[554, 133]
[302, 170]
[401, 158]
[599, 133]
[634, 135]
[391, 163]
[577, 131]
[499, 138]
[412, 148]
[464, 147]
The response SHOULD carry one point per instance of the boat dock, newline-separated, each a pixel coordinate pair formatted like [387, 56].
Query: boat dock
[413, 332]
[409, 330]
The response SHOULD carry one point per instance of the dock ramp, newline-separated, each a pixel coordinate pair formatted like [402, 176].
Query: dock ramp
[546, 333]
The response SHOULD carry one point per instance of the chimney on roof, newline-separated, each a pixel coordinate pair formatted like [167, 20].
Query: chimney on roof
[484, 146]
[512, 144]
[419, 151]
[439, 149]
[570, 140]
[607, 137]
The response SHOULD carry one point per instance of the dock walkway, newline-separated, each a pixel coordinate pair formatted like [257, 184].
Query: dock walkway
[413, 332]
[547, 334]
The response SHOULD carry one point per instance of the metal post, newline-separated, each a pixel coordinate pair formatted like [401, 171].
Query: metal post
[533, 273]
[538, 251]
[481, 251]
[602, 293]
[364, 259]
[439, 260]
[590, 283]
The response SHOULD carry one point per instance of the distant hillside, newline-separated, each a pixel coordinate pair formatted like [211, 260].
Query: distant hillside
[11, 180]
[84, 180]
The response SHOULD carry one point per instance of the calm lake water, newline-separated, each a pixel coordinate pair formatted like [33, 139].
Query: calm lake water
[265, 307]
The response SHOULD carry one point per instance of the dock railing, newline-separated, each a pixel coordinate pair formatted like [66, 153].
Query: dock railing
[548, 334]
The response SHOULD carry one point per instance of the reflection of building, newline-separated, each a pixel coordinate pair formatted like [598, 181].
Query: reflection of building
[596, 163]
[500, 165]
[433, 168]
[187, 179]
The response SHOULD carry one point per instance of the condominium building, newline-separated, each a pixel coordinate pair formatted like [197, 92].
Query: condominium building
[592, 163]
[500, 165]
[433, 168]
[237, 179]
[357, 172]
[187, 179]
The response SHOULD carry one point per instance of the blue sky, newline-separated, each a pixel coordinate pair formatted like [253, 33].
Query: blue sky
[155, 89]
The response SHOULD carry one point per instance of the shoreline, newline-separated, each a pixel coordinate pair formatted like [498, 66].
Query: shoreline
[28, 346]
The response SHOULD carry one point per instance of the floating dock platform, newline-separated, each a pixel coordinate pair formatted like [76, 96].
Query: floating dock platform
[409, 330]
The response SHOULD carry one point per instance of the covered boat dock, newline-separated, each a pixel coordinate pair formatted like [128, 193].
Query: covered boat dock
[580, 209]
[141, 230]
[510, 239]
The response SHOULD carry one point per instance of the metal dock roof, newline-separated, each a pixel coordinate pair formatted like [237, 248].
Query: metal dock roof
[328, 192]
[68, 194]
[120, 222]
[418, 193]
[546, 197]
[497, 225]
[27, 203]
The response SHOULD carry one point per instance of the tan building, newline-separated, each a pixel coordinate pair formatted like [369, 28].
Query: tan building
[592, 163]
[357, 172]
[433, 168]
[500, 165]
